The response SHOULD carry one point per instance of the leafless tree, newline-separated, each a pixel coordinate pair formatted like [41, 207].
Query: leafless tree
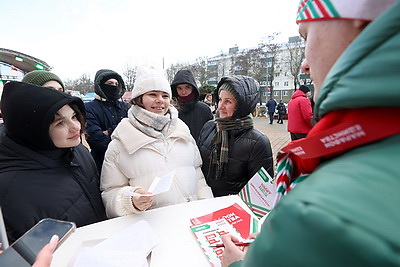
[83, 84]
[130, 77]
[241, 64]
[173, 69]
[199, 70]
[256, 68]
[295, 48]
[271, 50]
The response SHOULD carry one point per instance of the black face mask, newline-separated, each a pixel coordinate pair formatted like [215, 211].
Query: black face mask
[111, 92]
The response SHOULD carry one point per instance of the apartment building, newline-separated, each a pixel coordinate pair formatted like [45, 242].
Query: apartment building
[272, 66]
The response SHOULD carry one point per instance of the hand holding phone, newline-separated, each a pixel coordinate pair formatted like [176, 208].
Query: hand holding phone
[11, 257]
[43, 259]
[31, 243]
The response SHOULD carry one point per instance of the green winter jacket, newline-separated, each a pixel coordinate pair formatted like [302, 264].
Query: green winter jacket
[347, 212]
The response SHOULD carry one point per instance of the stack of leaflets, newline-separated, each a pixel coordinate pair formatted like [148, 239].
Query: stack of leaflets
[208, 234]
[209, 228]
[244, 222]
[258, 194]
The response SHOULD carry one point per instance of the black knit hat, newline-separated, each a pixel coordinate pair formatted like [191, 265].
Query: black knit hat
[40, 77]
[28, 110]
[304, 88]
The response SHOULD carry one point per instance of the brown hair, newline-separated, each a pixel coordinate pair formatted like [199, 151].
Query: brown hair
[80, 116]
[137, 101]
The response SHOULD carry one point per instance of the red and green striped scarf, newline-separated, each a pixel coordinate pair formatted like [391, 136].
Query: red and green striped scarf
[336, 133]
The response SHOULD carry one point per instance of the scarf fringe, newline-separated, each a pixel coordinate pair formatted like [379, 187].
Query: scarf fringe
[220, 151]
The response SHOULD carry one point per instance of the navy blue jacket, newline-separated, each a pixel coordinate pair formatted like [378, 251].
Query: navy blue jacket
[102, 116]
[271, 106]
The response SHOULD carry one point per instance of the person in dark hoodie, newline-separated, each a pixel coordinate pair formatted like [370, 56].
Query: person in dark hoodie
[45, 171]
[231, 148]
[43, 78]
[104, 112]
[48, 79]
[193, 112]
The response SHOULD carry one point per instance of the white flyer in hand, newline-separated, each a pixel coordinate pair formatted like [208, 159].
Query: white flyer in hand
[158, 186]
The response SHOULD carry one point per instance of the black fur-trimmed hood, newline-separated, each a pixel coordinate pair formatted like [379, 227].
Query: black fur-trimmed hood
[248, 91]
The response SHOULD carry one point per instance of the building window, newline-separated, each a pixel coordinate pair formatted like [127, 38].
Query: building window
[285, 93]
[276, 83]
[276, 93]
[286, 83]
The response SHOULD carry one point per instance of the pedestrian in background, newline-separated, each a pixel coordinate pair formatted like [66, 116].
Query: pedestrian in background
[300, 113]
[193, 112]
[271, 107]
[231, 148]
[281, 108]
[45, 171]
[150, 143]
[104, 112]
[208, 99]
[340, 183]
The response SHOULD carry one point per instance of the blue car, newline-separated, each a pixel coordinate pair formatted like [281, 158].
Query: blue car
[88, 97]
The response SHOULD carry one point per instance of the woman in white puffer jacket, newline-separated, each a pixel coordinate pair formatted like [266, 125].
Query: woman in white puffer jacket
[150, 143]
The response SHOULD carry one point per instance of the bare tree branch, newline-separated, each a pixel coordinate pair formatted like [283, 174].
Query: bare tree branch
[295, 48]
[130, 77]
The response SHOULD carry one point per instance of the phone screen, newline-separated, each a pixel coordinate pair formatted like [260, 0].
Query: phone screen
[29, 245]
[12, 258]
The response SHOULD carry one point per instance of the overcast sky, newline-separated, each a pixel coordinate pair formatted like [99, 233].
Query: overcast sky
[78, 37]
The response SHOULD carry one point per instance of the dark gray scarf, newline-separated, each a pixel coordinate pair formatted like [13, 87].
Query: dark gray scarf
[220, 149]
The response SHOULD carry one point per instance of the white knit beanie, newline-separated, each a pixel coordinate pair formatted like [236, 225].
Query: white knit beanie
[148, 79]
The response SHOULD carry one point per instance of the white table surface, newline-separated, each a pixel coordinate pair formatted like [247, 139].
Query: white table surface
[177, 247]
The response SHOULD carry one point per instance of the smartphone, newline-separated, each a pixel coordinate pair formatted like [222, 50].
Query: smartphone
[29, 245]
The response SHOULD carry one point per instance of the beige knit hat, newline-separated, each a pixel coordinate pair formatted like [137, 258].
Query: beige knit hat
[148, 79]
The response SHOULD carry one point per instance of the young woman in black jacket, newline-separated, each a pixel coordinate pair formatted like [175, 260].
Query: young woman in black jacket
[45, 171]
